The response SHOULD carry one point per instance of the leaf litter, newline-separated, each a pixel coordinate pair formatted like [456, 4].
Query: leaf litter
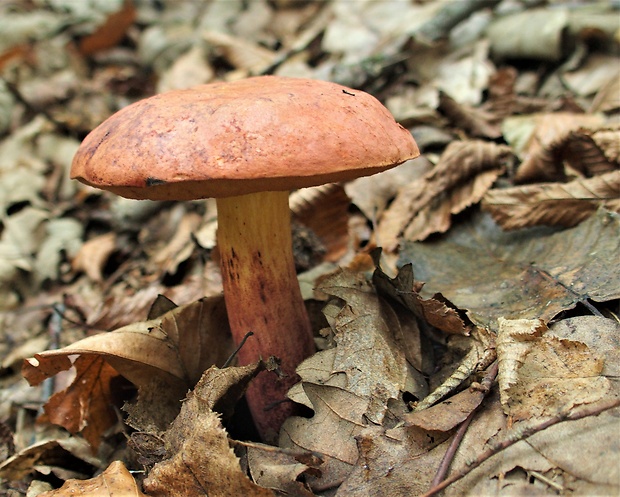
[524, 127]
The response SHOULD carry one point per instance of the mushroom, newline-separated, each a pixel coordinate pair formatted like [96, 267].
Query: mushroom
[248, 143]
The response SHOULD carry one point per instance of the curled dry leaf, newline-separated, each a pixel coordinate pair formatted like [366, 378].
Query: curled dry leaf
[534, 138]
[93, 255]
[115, 480]
[324, 209]
[62, 453]
[553, 204]
[542, 375]
[464, 173]
[474, 121]
[167, 354]
[436, 311]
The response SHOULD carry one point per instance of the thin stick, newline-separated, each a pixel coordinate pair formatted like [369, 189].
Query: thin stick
[236, 351]
[448, 457]
[518, 435]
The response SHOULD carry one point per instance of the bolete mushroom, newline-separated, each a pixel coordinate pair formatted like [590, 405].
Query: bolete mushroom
[248, 143]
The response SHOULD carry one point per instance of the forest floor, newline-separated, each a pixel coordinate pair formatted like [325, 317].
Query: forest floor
[465, 303]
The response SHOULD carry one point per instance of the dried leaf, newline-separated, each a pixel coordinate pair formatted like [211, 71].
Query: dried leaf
[111, 32]
[372, 194]
[464, 173]
[199, 460]
[167, 354]
[531, 273]
[534, 138]
[338, 418]
[562, 204]
[48, 454]
[400, 462]
[436, 311]
[367, 351]
[542, 375]
[472, 120]
[279, 469]
[93, 255]
[87, 405]
[115, 480]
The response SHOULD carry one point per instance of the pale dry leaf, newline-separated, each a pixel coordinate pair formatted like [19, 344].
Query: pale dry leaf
[531, 34]
[513, 342]
[189, 69]
[62, 236]
[607, 140]
[553, 204]
[608, 97]
[93, 255]
[115, 480]
[529, 273]
[249, 57]
[596, 71]
[318, 369]
[465, 78]
[541, 375]
[464, 173]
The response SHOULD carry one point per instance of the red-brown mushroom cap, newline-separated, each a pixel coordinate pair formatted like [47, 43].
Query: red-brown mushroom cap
[266, 133]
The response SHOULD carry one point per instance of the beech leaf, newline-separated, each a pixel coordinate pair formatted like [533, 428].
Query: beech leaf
[464, 173]
[563, 204]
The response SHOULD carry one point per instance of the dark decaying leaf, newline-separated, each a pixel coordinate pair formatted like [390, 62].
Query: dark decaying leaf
[530, 273]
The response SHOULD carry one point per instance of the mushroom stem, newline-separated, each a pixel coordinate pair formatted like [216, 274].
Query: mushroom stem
[262, 295]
